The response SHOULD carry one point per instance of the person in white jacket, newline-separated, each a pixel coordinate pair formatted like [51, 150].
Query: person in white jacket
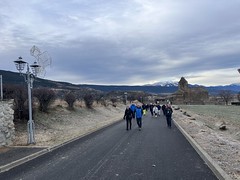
[155, 110]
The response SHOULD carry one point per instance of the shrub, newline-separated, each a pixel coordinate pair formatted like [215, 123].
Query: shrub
[113, 100]
[70, 98]
[88, 99]
[45, 97]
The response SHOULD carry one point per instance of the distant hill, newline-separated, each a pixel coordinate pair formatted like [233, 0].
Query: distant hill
[149, 89]
[157, 88]
[15, 78]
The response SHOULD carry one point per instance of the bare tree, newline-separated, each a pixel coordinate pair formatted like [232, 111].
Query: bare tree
[100, 98]
[226, 96]
[113, 100]
[70, 98]
[45, 97]
[238, 96]
[88, 99]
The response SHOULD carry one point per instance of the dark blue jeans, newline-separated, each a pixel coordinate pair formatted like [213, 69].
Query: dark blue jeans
[129, 123]
[169, 121]
[139, 122]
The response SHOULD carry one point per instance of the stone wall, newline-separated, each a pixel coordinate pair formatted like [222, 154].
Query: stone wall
[7, 130]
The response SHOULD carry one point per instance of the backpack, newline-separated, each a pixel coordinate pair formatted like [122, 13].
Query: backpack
[138, 112]
[129, 114]
[168, 111]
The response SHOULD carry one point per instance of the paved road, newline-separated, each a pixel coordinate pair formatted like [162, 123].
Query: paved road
[156, 152]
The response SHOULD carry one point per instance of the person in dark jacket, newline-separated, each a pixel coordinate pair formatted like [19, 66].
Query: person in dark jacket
[151, 108]
[128, 115]
[163, 109]
[168, 114]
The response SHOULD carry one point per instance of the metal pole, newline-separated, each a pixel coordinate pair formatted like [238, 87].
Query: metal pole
[31, 127]
[125, 98]
[1, 87]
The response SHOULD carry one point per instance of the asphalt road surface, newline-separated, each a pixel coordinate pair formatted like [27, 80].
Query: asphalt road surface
[156, 152]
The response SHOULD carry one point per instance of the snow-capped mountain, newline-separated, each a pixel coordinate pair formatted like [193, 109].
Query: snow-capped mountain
[235, 88]
[235, 84]
[164, 84]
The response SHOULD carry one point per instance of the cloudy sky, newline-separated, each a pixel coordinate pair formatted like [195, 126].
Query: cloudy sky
[125, 42]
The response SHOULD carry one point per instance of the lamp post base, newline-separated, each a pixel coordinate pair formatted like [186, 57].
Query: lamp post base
[31, 130]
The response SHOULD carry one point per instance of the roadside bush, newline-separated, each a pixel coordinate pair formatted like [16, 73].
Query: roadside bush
[88, 99]
[113, 100]
[45, 97]
[101, 99]
[70, 98]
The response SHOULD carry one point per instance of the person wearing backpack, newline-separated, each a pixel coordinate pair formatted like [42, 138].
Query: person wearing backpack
[128, 115]
[168, 114]
[139, 113]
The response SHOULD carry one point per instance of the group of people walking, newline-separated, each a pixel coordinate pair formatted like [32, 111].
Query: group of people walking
[137, 111]
[133, 112]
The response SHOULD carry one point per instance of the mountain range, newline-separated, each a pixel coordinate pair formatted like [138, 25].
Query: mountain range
[156, 88]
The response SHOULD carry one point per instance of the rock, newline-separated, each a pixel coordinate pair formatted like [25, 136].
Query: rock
[223, 126]
[186, 114]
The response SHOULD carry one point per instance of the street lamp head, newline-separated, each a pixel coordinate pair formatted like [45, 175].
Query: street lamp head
[20, 64]
[35, 68]
[239, 70]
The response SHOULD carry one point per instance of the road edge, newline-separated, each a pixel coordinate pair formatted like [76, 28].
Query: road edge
[216, 169]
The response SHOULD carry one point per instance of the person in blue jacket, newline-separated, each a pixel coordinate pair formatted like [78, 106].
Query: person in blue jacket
[133, 108]
[139, 114]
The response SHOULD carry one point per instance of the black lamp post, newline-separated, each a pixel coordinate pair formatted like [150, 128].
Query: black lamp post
[29, 78]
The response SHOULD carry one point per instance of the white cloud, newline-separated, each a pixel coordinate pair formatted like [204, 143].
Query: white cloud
[125, 42]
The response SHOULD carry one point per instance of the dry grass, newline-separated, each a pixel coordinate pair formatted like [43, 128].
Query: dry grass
[226, 113]
[202, 124]
[62, 124]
